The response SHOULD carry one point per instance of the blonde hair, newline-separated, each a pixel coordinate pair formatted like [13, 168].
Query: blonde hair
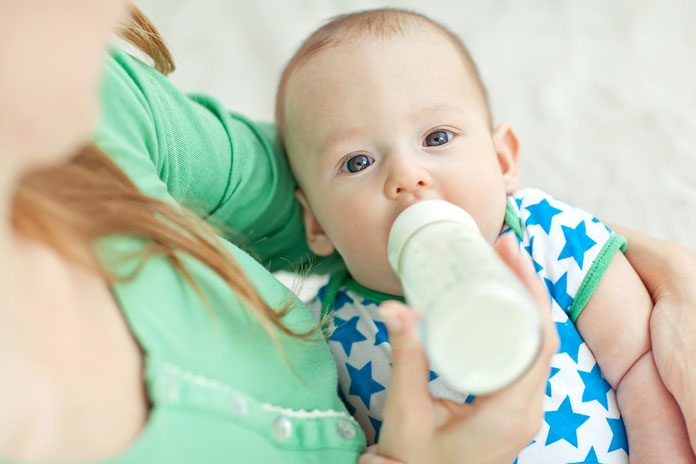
[71, 205]
[380, 23]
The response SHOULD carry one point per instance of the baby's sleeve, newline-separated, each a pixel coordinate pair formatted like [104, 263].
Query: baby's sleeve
[570, 248]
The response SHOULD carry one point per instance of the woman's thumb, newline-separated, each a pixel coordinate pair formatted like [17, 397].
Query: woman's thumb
[410, 374]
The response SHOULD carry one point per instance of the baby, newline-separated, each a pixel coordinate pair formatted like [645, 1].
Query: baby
[382, 109]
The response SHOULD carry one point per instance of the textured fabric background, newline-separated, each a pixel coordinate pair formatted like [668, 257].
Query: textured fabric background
[601, 94]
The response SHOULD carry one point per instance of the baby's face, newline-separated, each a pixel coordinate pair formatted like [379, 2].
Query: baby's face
[372, 128]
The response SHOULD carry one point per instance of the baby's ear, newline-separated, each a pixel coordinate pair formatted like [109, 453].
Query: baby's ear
[506, 147]
[317, 240]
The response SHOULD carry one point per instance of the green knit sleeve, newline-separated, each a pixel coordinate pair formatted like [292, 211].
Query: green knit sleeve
[190, 150]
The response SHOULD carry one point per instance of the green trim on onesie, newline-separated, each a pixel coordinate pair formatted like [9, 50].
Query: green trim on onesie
[370, 294]
[335, 283]
[513, 220]
[331, 290]
[589, 284]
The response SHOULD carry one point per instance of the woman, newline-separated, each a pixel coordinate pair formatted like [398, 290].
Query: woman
[129, 332]
[669, 273]
[182, 356]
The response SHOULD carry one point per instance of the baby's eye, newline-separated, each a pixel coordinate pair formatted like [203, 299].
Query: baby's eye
[436, 138]
[357, 163]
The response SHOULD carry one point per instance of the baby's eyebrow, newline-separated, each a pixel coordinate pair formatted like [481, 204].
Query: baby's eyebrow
[441, 107]
[339, 136]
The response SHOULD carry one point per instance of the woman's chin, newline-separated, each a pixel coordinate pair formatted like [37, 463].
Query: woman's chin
[56, 144]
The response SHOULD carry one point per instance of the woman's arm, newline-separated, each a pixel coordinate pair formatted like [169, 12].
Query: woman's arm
[669, 273]
[667, 269]
[192, 151]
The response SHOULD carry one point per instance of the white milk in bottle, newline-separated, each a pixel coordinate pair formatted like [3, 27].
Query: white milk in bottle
[480, 325]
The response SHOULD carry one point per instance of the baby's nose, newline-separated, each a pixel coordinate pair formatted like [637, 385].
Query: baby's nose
[420, 183]
[401, 185]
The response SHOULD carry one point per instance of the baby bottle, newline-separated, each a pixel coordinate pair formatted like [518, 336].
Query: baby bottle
[480, 325]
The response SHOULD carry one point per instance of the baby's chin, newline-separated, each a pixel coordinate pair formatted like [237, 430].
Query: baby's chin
[492, 231]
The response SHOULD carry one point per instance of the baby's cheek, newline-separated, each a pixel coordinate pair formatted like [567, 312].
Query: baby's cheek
[362, 233]
[359, 232]
[484, 198]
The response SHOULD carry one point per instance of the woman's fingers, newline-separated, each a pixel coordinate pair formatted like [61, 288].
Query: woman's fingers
[447, 412]
[370, 457]
[408, 409]
[409, 382]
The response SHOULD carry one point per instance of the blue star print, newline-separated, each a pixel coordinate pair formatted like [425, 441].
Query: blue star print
[570, 339]
[596, 388]
[530, 247]
[559, 291]
[618, 435]
[349, 407]
[542, 214]
[362, 384]
[381, 336]
[554, 371]
[376, 424]
[341, 300]
[597, 221]
[564, 423]
[321, 294]
[591, 458]
[577, 243]
[578, 403]
[346, 333]
[537, 267]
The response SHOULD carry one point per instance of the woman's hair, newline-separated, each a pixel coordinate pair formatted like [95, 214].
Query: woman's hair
[70, 206]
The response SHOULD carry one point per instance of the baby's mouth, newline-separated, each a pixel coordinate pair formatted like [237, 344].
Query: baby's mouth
[413, 198]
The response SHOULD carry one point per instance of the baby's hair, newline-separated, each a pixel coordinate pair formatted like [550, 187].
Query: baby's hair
[370, 24]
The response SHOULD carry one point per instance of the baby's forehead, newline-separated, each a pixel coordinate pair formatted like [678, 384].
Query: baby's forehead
[424, 37]
[381, 76]
[352, 57]
[360, 73]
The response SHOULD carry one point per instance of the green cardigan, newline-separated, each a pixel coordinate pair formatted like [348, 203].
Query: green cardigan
[220, 390]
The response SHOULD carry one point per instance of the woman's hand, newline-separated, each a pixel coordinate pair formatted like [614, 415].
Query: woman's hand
[371, 457]
[420, 429]
[673, 334]
[669, 273]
